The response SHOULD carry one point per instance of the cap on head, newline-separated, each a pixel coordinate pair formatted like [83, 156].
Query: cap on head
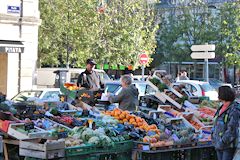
[91, 61]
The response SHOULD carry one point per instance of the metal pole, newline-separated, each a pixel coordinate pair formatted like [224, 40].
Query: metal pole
[206, 70]
[142, 72]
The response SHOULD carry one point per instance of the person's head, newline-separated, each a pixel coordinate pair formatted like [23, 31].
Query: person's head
[90, 64]
[126, 81]
[225, 93]
[184, 73]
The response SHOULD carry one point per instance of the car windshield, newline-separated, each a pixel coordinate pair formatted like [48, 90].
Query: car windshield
[141, 88]
[24, 95]
[112, 88]
[207, 87]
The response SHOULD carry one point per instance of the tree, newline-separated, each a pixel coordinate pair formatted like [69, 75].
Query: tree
[230, 33]
[183, 26]
[115, 31]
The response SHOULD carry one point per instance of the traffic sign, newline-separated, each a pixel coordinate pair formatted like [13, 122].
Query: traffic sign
[143, 58]
[203, 55]
[207, 47]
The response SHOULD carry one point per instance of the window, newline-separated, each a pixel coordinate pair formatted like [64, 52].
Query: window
[150, 90]
[193, 89]
[141, 88]
[207, 87]
[51, 95]
[24, 95]
[112, 88]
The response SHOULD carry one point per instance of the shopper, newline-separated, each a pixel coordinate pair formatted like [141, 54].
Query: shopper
[128, 97]
[225, 130]
[183, 76]
[90, 79]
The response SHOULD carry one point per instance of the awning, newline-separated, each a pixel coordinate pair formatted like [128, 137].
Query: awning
[11, 46]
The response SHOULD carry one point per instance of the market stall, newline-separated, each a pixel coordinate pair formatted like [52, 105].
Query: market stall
[81, 131]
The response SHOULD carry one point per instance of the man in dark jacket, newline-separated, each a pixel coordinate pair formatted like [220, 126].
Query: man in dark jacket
[128, 97]
[89, 79]
[226, 124]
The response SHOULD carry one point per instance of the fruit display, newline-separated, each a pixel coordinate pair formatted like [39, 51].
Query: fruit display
[208, 111]
[71, 86]
[138, 122]
[193, 121]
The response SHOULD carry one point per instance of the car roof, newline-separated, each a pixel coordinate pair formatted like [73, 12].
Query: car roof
[191, 81]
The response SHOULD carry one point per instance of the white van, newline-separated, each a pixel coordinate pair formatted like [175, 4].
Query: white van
[46, 76]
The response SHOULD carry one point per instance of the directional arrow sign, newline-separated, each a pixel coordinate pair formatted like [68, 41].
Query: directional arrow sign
[203, 55]
[206, 47]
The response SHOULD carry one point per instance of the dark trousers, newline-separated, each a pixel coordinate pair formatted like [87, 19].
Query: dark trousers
[226, 154]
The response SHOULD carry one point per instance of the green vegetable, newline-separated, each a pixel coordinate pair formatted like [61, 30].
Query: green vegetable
[94, 140]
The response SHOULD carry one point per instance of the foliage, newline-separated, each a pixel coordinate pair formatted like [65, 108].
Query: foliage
[115, 31]
[230, 33]
[182, 27]
[198, 23]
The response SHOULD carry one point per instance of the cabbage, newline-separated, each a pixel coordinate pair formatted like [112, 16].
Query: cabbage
[94, 140]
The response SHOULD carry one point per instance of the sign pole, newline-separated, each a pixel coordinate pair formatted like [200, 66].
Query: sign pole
[143, 72]
[206, 70]
[203, 52]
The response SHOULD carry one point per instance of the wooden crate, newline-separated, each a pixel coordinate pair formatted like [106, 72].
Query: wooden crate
[38, 132]
[47, 150]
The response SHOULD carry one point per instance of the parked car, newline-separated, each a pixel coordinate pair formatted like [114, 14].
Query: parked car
[215, 83]
[139, 77]
[43, 94]
[199, 88]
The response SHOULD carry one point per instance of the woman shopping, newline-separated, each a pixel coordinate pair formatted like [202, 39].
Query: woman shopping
[226, 124]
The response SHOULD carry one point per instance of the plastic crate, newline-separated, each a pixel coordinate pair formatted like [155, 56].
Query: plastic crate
[117, 156]
[79, 150]
[83, 157]
[118, 147]
[158, 156]
[207, 153]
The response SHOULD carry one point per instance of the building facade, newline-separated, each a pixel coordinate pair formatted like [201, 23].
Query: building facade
[177, 3]
[19, 23]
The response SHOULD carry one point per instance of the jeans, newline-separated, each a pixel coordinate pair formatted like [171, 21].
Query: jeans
[226, 154]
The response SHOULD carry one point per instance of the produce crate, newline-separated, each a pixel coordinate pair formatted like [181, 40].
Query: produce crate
[84, 157]
[147, 146]
[5, 120]
[204, 98]
[193, 118]
[71, 94]
[169, 110]
[47, 150]
[4, 125]
[206, 153]
[79, 150]
[17, 130]
[118, 147]
[117, 156]
[168, 155]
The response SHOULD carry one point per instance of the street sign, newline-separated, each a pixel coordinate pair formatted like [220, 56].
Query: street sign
[207, 47]
[203, 55]
[13, 9]
[143, 58]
